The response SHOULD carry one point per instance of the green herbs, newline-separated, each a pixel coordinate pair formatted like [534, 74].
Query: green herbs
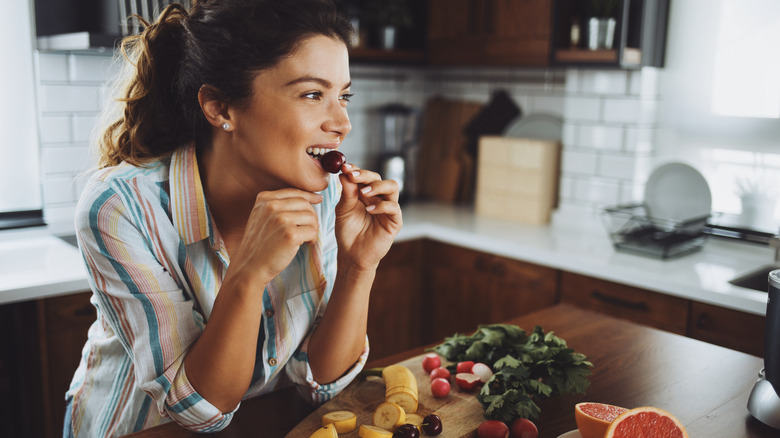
[527, 367]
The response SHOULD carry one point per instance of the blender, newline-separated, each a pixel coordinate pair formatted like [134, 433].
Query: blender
[764, 402]
[398, 133]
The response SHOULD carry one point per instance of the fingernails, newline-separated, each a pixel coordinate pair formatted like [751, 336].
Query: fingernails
[356, 173]
[347, 166]
[371, 207]
[365, 189]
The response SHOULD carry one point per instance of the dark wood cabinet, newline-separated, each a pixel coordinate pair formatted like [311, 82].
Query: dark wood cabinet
[466, 288]
[728, 328]
[489, 32]
[651, 308]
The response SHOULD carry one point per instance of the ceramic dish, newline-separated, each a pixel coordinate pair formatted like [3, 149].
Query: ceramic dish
[677, 192]
[571, 434]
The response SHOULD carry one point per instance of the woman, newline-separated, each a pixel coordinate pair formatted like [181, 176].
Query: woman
[223, 259]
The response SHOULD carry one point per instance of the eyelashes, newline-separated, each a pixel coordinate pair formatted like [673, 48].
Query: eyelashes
[317, 95]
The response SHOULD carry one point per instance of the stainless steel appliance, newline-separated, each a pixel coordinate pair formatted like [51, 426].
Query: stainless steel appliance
[764, 401]
[399, 133]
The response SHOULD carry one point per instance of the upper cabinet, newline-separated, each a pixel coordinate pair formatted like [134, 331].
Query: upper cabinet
[609, 33]
[489, 32]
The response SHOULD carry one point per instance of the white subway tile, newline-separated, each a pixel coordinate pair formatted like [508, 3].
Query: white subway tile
[57, 190]
[644, 82]
[604, 82]
[572, 80]
[631, 193]
[616, 166]
[579, 162]
[600, 137]
[566, 189]
[547, 104]
[68, 98]
[89, 68]
[570, 135]
[53, 67]
[642, 111]
[598, 191]
[582, 108]
[55, 129]
[640, 139]
[65, 159]
[83, 127]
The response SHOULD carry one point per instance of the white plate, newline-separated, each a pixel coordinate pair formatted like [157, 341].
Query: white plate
[571, 434]
[677, 192]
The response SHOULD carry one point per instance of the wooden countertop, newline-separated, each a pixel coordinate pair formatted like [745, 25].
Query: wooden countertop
[703, 385]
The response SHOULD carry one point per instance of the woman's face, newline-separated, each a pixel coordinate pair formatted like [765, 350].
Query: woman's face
[298, 104]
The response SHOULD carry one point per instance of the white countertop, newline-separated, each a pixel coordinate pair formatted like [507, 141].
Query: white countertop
[35, 264]
[702, 276]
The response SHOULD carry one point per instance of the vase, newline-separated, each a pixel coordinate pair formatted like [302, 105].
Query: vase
[388, 37]
[601, 33]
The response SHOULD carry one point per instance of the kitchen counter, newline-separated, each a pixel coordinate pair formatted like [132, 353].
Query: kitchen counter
[585, 248]
[36, 264]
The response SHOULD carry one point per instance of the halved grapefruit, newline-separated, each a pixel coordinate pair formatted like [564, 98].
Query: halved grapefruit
[646, 422]
[593, 419]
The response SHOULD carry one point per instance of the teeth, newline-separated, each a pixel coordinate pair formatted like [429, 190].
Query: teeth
[316, 151]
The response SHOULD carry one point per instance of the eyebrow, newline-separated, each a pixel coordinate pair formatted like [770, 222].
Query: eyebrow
[324, 82]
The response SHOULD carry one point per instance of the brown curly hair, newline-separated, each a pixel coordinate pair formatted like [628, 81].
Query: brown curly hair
[221, 43]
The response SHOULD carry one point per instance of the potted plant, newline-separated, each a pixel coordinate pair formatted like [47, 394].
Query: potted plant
[601, 24]
[387, 16]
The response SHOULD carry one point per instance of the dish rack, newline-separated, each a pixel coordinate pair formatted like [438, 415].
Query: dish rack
[633, 230]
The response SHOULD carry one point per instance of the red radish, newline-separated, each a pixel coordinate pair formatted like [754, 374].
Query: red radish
[493, 429]
[467, 381]
[431, 361]
[482, 370]
[444, 373]
[465, 366]
[440, 388]
[523, 428]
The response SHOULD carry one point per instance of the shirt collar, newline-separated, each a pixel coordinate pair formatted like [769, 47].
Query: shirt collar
[189, 211]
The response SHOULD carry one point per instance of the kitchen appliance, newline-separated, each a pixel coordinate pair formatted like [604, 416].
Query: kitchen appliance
[764, 401]
[398, 133]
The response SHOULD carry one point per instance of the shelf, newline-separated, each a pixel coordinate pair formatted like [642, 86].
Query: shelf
[387, 56]
[580, 55]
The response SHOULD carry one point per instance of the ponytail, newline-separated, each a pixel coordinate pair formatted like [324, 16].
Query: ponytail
[150, 126]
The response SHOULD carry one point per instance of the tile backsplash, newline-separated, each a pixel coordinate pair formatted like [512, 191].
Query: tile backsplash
[610, 120]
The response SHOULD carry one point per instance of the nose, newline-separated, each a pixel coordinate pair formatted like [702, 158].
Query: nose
[337, 121]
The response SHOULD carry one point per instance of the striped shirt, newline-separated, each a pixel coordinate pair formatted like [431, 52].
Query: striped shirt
[156, 263]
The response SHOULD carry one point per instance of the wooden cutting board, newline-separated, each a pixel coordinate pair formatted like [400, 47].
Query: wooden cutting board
[460, 412]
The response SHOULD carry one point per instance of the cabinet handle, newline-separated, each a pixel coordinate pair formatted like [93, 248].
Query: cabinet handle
[703, 321]
[597, 294]
[498, 269]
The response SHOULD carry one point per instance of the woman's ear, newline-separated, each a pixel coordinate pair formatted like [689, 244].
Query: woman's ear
[215, 110]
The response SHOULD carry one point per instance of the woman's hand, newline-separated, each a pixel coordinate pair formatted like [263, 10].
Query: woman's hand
[280, 222]
[368, 217]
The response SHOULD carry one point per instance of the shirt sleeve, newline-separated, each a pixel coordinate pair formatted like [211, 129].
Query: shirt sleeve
[298, 368]
[153, 317]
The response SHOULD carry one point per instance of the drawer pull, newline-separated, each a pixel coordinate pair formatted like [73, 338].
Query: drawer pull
[597, 294]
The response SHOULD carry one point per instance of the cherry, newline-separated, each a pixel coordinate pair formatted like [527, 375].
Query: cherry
[407, 431]
[432, 424]
[332, 161]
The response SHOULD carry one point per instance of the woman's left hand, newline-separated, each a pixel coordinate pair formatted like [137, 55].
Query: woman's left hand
[368, 217]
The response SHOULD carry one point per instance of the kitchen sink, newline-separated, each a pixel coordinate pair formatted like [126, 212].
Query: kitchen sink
[756, 280]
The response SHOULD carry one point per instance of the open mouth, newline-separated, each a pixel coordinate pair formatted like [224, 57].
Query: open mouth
[317, 152]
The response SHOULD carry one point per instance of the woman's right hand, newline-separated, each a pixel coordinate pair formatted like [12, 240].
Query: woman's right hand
[280, 222]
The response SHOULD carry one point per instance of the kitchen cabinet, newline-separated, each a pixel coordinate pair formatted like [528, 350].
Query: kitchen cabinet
[465, 288]
[489, 32]
[639, 35]
[728, 328]
[656, 310]
[395, 308]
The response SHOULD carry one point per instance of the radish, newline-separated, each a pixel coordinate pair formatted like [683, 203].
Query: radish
[430, 362]
[440, 388]
[465, 366]
[444, 373]
[482, 370]
[467, 381]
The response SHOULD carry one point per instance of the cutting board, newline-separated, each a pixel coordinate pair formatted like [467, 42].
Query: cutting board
[460, 412]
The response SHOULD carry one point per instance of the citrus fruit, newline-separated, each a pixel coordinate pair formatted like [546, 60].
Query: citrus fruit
[593, 419]
[646, 422]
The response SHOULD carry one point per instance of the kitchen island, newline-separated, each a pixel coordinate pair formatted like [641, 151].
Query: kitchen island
[705, 386]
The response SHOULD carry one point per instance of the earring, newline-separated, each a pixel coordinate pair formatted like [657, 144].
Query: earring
[226, 126]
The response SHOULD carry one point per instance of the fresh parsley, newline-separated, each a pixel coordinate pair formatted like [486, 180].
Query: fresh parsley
[527, 368]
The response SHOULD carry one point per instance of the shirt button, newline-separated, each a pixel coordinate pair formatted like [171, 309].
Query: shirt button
[272, 361]
[269, 313]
